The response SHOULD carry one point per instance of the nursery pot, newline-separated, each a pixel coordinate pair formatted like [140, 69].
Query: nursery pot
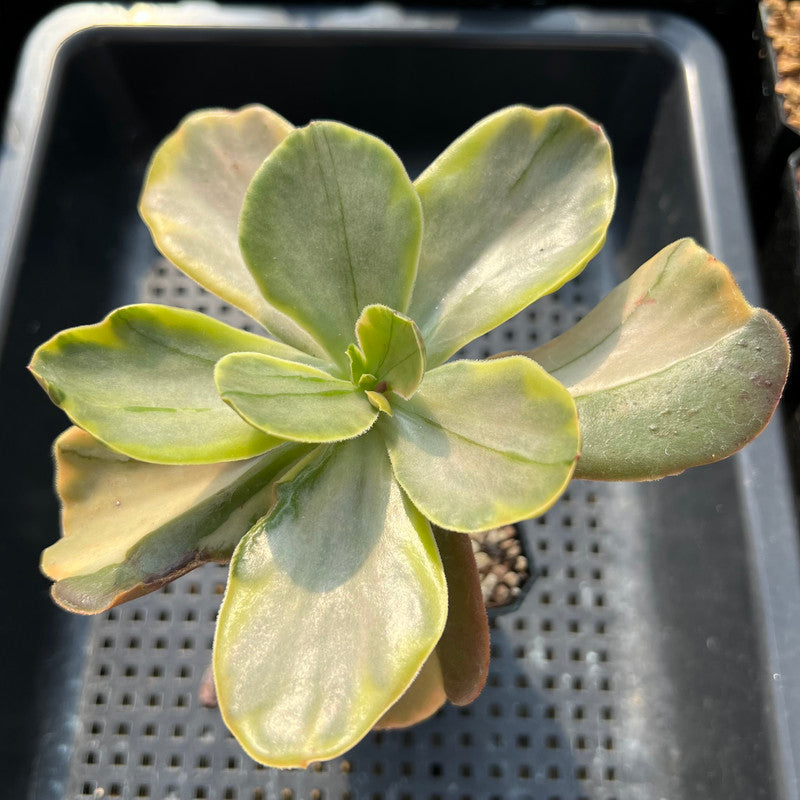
[655, 653]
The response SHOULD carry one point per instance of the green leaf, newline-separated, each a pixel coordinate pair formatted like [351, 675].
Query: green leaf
[192, 199]
[331, 223]
[393, 349]
[142, 382]
[130, 527]
[421, 700]
[513, 209]
[291, 400]
[334, 603]
[483, 444]
[671, 370]
[463, 650]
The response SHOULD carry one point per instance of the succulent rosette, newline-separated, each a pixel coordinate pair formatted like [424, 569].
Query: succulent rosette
[338, 462]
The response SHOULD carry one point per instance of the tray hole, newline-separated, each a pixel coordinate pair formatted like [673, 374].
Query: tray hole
[545, 598]
[119, 759]
[607, 713]
[600, 601]
[581, 773]
[407, 768]
[146, 760]
[600, 628]
[552, 743]
[149, 730]
[519, 651]
[178, 731]
[200, 793]
[115, 790]
[123, 729]
[608, 743]
[377, 768]
[569, 572]
[546, 625]
[495, 771]
[577, 684]
[466, 739]
[190, 616]
[107, 642]
[258, 794]
[550, 712]
[523, 712]
[202, 762]
[154, 701]
[96, 729]
[90, 757]
[130, 671]
[569, 546]
[143, 790]
[184, 671]
[605, 685]
[611, 774]
[548, 682]
[100, 699]
[436, 770]
[315, 794]
[542, 544]
[494, 681]
[465, 770]
[163, 615]
[597, 574]
[580, 743]
[521, 682]
[602, 655]
[594, 548]
[159, 643]
[520, 624]
[548, 653]
[88, 789]
[104, 670]
[573, 626]
[524, 771]
[575, 655]
[553, 773]
[187, 643]
[134, 643]
[175, 761]
[230, 794]
[544, 571]
[578, 712]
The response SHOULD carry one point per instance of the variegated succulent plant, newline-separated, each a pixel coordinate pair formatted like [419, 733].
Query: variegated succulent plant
[339, 464]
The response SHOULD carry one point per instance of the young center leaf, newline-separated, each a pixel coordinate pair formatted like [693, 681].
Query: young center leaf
[333, 605]
[392, 350]
[130, 527]
[331, 223]
[293, 401]
[483, 444]
[142, 382]
[513, 209]
[671, 370]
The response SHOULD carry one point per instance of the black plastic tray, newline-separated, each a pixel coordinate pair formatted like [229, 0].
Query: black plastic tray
[657, 653]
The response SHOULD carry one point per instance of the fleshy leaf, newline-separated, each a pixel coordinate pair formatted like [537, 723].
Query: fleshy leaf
[329, 614]
[671, 370]
[393, 349]
[421, 700]
[130, 527]
[463, 650]
[513, 209]
[293, 401]
[142, 382]
[483, 444]
[192, 199]
[331, 223]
